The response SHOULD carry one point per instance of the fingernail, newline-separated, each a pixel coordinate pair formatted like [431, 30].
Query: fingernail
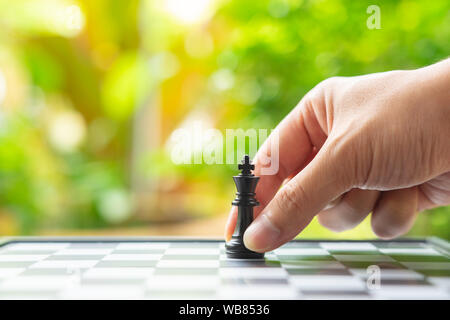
[261, 234]
[227, 233]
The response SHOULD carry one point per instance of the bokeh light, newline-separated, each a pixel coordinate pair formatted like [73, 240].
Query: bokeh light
[223, 79]
[189, 12]
[115, 205]
[67, 131]
[61, 17]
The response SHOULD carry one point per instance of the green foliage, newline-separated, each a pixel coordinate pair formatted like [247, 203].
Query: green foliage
[245, 67]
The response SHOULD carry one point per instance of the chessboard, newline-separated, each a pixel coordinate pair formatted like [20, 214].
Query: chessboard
[123, 268]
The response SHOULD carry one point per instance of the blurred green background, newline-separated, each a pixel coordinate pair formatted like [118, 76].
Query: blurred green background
[91, 91]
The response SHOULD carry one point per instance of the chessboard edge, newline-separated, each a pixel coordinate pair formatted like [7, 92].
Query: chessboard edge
[439, 242]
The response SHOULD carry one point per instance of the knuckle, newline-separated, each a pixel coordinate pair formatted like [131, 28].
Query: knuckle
[317, 94]
[327, 84]
[329, 81]
[312, 101]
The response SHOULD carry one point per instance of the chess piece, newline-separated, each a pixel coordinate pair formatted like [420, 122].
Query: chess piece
[245, 201]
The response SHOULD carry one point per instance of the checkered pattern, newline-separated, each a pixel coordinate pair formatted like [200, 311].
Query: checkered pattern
[201, 270]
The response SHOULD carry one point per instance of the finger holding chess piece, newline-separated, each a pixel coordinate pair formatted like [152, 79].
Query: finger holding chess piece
[245, 200]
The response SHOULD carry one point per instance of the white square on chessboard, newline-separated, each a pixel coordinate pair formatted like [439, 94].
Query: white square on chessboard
[142, 246]
[64, 264]
[130, 257]
[440, 281]
[312, 264]
[40, 283]
[418, 292]
[84, 251]
[30, 295]
[192, 251]
[10, 272]
[118, 273]
[410, 251]
[301, 251]
[340, 296]
[188, 264]
[36, 246]
[272, 292]
[103, 292]
[176, 282]
[252, 273]
[327, 283]
[360, 257]
[180, 295]
[390, 274]
[348, 246]
[23, 257]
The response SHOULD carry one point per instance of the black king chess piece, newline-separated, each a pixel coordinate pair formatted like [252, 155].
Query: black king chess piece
[245, 201]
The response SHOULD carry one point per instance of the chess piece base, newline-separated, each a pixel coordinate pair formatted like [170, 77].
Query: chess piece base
[236, 250]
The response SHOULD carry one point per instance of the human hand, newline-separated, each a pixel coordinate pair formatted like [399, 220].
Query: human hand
[377, 143]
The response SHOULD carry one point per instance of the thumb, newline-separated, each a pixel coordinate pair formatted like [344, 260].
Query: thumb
[325, 178]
